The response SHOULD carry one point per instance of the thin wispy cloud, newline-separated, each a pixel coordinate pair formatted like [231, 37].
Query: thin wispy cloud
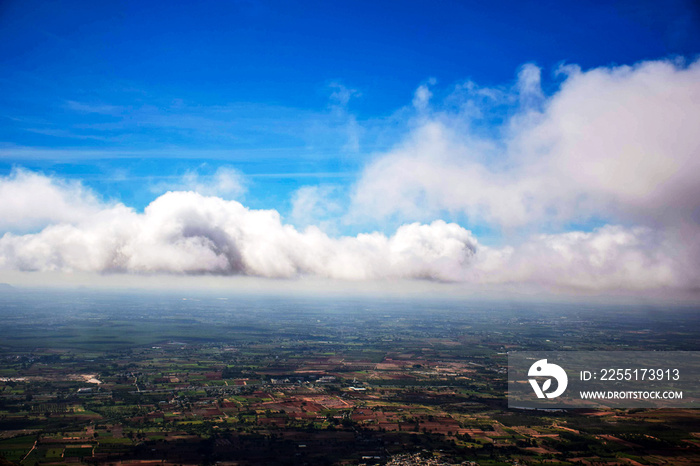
[225, 182]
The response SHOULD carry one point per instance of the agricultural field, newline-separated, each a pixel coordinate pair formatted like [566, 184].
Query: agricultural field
[97, 380]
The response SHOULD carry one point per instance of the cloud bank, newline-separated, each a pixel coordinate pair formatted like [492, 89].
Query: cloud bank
[185, 232]
[188, 233]
[616, 147]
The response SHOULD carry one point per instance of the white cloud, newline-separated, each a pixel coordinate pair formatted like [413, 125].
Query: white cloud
[619, 144]
[30, 201]
[609, 258]
[347, 122]
[314, 205]
[529, 86]
[613, 142]
[341, 95]
[188, 233]
[421, 98]
[185, 232]
[227, 182]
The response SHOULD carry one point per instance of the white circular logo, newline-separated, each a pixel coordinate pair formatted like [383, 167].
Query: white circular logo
[544, 369]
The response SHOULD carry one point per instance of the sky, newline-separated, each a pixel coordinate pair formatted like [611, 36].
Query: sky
[476, 147]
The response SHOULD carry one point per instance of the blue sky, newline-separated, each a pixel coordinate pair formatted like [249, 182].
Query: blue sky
[251, 82]
[300, 101]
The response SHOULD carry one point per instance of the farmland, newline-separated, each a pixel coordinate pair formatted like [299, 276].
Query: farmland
[104, 379]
